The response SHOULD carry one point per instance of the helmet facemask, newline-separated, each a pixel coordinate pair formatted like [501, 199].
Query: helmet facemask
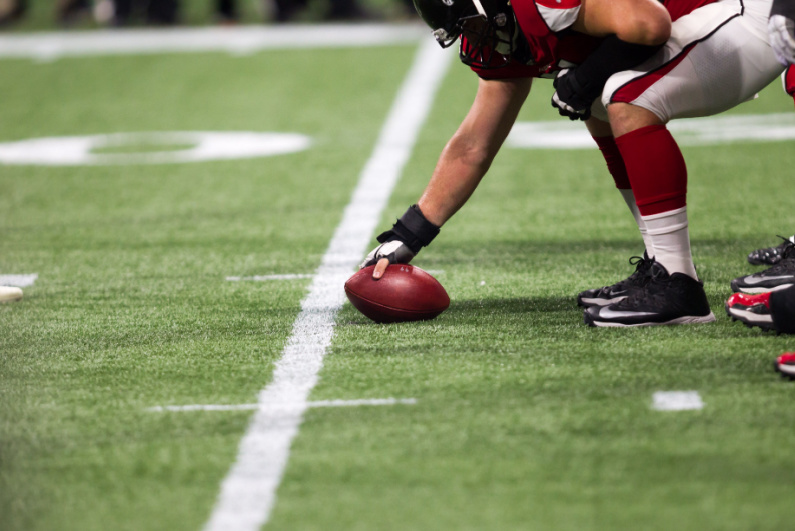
[486, 28]
[487, 41]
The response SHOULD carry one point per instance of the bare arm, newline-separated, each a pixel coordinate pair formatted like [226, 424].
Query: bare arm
[468, 155]
[644, 22]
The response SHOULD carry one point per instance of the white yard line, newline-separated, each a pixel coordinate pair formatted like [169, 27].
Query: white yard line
[677, 401]
[265, 278]
[48, 46]
[20, 281]
[316, 403]
[249, 490]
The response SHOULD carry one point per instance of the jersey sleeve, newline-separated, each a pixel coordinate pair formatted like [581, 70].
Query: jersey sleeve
[559, 15]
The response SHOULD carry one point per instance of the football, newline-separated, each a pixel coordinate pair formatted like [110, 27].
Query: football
[403, 293]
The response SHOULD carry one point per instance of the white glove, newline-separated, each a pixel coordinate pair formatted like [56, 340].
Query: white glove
[781, 32]
[395, 251]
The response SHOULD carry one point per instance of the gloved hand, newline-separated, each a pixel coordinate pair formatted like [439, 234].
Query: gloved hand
[396, 251]
[781, 32]
[572, 98]
[402, 242]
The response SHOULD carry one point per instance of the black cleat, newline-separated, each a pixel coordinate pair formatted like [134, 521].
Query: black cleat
[769, 255]
[777, 277]
[620, 290]
[665, 299]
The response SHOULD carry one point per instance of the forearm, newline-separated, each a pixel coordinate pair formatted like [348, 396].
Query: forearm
[469, 154]
[454, 180]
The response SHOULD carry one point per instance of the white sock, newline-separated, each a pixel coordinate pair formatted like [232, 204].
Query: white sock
[629, 199]
[671, 241]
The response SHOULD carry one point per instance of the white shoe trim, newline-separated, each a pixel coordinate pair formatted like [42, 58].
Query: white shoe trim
[750, 316]
[689, 319]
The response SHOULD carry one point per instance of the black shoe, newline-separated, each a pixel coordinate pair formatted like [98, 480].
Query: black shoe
[780, 276]
[665, 299]
[769, 255]
[620, 290]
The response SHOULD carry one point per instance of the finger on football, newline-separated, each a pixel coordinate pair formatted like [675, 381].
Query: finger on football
[380, 267]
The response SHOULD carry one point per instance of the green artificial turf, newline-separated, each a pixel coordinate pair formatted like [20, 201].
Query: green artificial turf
[525, 418]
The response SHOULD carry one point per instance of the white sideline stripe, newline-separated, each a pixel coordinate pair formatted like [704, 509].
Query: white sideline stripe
[19, 281]
[264, 278]
[47, 46]
[293, 276]
[676, 401]
[317, 403]
[249, 490]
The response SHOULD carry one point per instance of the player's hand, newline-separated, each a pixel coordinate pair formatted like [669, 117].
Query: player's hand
[391, 252]
[571, 98]
[402, 242]
[781, 32]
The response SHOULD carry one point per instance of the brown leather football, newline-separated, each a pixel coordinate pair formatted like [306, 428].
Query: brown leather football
[403, 293]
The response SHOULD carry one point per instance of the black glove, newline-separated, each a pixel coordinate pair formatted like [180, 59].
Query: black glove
[573, 98]
[404, 240]
[578, 88]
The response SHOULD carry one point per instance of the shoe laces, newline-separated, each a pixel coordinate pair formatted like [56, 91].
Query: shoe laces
[787, 248]
[642, 268]
[653, 292]
[787, 263]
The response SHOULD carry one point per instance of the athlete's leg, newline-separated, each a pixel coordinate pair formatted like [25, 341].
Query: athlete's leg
[694, 75]
[658, 175]
[713, 61]
[602, 134]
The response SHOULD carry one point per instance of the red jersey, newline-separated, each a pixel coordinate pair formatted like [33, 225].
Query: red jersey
[546, 25]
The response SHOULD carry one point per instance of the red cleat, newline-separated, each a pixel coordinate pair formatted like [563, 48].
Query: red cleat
[751, 310]
[785, 364]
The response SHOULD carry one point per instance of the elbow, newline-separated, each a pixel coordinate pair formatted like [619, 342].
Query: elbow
[655, 31]
[652, 30]
[658, 32]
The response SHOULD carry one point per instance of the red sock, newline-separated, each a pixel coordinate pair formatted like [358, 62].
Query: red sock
[615, 162]
[789, 80]
[656, 169]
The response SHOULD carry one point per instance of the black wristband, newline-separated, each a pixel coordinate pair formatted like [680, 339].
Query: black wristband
[611, 56]
[412, 229]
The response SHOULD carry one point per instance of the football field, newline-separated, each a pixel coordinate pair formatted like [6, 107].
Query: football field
[182, 208]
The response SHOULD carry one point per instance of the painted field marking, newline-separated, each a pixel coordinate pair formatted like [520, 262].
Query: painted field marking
[297, 276]
[19, 281]
[316, 403]
[774, 127]
[676, 401]
[241, 40]
[265, 278]
[248, 492]
[195, 146]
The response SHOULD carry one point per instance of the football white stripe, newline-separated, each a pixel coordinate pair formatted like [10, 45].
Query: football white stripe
[249, 490]
[47, 46]
[676, 401]
[317, 403]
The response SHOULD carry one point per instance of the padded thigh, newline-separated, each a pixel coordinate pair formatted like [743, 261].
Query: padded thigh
[717, 57]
